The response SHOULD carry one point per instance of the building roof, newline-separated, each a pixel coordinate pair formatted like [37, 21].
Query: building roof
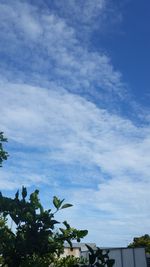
[81, 246]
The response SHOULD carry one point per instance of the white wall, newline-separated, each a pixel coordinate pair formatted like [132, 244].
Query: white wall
[128, 257]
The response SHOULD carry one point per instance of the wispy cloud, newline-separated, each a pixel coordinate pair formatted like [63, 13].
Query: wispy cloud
[86, 16]
[83, 14]
[56, 110]
[74, 130]
[13, 179]
[52, 52]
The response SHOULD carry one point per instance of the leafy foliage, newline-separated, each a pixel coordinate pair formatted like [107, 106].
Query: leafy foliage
[142, 241]
[3, 153]
[35, 241]
[97, 258]
[69, 261]
[58, 204]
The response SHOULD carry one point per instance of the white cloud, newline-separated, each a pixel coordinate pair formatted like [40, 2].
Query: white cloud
[87, 16]
[53, 130]
[114, 213]
[19, 17]
[81, 12]
[14, 178]
[42, 46]
[74, 130]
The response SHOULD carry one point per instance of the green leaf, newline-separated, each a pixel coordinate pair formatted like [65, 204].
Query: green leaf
[90, 249]
[17, 194]
[110, 262]
[56, 202]
[70, 243]
[66, 206]
[82, 233]
[62, 201]
[66, 224]
[34, 197]
[15, 219]
[62, 230]
[54, 222]
[99, 264]
[24, 192]
[92, 258]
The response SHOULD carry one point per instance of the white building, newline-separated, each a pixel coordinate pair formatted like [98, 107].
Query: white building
[124, 257]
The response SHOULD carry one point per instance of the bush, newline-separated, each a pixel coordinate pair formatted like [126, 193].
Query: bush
[97, 258]
[36, 240]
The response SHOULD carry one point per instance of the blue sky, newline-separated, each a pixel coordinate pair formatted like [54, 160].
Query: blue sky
[74, 90]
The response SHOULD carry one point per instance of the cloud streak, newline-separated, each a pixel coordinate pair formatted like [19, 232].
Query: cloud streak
[74, 130]
[52, 52]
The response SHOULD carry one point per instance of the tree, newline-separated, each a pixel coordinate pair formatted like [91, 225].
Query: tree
[142, 241]
[3, 153]
[36, 240]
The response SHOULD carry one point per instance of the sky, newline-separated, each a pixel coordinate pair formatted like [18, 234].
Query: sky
[74, 105]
